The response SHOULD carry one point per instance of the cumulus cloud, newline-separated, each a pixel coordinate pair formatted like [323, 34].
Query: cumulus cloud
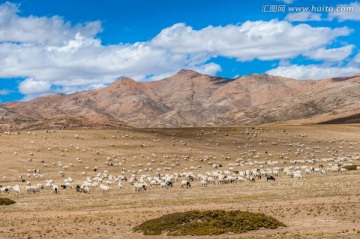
[32, 87]
[314, 72]
[55, 56]
[264, 40]
[333, 54]
[44, 30]
[303, 17]
[346, 12]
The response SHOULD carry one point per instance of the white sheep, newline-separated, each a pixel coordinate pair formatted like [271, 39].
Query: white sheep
[240, 179]
[31, 189]
[39, 187]
[108, 182]
[85, 189]
[140, 186]
[120, 185]
[104, 188]
[204, 183]
[298, 175]
[185, 184]
[5, 189]
[48, 183]
[16, 189]
[210, 180]
[55, 188]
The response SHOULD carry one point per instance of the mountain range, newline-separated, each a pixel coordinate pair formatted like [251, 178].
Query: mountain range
[188, 99]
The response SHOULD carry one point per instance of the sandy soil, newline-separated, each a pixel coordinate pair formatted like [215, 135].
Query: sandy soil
[319, 206]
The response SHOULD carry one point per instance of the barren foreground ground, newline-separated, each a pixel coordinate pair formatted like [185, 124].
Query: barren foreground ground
[317, 206]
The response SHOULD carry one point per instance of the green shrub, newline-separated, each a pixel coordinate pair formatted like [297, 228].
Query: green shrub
[212, 222]
[350, 167]
[6, 201]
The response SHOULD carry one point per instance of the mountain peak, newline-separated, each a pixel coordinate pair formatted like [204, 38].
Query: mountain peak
[188, 73]
[123, 81]
[127, 80]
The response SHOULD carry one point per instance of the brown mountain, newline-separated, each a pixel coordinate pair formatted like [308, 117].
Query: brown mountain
[191, 99]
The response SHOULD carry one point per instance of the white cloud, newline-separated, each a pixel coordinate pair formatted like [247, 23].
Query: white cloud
[346, 12]
[357, 58]
[56, 56]
[261, 39]
[43, 30]
[32, 87]
[208, 69]
[4, 92]
[303, 17]
[314, 72]
[287, 1]
[333, 54]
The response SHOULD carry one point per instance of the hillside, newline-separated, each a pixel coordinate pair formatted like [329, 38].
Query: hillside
[189, 98]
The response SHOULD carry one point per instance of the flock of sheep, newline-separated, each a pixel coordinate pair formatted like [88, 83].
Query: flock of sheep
[104, 181]
[246, 168]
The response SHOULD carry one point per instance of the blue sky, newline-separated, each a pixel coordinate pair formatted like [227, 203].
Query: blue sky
[63, 46]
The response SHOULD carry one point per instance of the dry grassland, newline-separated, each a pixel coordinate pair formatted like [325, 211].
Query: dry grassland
[319, 206]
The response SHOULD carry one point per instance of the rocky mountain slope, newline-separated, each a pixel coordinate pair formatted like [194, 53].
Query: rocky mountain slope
[189, 98]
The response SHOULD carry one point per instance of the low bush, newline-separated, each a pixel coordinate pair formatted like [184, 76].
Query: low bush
[350, 167]
[212, 222]
[6, 201]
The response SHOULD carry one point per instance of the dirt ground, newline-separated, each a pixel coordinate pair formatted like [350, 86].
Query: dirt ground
[318, 206]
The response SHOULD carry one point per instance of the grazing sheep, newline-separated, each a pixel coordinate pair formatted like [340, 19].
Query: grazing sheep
[104, 188]
[78, 188]
[298, 175]
[185, 184]
[270, 177]
[39, 186]
[169, 184]
[5, 189]
[221, 179]
[86, 189]
[48, 183]
[343, 170]
[210, 180]
[82, 188]
[204, 183]
[108, 182]
[55, 188]
[240, 179]
[16, 189]
[140, 186]
[120, 185]
[32, 189]
[251, 178]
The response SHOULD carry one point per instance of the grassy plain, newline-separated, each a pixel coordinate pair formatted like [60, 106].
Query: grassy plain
[319, 206]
